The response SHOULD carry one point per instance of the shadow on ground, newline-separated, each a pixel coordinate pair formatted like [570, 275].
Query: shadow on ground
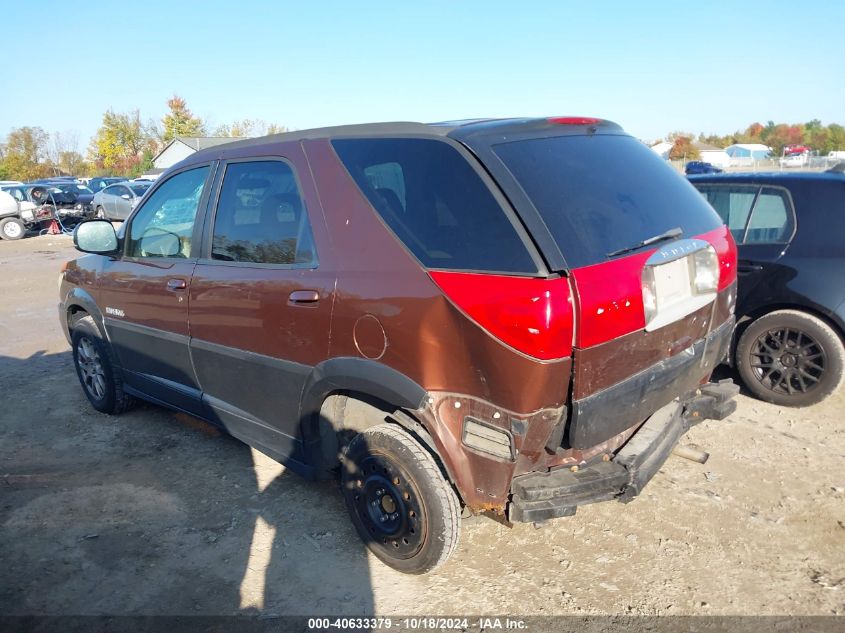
[154, 512]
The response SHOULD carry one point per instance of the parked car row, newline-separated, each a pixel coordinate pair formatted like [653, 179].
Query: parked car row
[68, 199]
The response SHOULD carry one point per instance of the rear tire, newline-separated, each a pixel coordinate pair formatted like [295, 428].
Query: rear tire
[790, 358]
[400, 503]
[97, 370]
[12, 229]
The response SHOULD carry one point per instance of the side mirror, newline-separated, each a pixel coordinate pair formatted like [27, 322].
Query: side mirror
[95, 236]
[126, 196]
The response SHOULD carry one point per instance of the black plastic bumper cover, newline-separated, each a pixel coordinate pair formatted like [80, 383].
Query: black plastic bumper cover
[541, 496]
[612, 410]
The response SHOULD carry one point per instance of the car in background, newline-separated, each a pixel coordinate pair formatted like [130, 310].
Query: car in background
[701, 167]
[795, 160]
[83, 195]
[41, 194]
[788, 346]
[17, 216]
[96, 184]
[116, 202]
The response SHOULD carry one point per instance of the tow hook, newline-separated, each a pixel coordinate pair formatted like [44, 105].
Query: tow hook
[712, 401]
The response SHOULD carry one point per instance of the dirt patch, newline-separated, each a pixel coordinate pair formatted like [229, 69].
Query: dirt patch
[150, 513]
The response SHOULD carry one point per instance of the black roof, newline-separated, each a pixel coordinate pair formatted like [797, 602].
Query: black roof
[772, 177]
[458, 129]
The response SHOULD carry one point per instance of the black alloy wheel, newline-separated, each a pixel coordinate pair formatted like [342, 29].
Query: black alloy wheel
[790, 358]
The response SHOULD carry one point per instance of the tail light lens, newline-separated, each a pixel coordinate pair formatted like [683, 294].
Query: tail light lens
[574, 120]
[533, 316]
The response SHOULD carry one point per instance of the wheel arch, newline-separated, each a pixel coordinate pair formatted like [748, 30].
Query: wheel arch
[77, 302]
[371, 388]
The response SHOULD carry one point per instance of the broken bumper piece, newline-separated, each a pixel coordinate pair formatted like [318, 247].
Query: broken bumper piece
[541, 496]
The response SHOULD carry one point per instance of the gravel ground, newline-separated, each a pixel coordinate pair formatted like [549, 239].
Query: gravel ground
[157, 513]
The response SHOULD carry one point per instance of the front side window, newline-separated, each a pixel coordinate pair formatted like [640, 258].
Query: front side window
[261, 217]
[164, 224]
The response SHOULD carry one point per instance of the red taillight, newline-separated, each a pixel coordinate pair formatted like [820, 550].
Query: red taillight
[534, 316]
[723, 242]
[573, 120]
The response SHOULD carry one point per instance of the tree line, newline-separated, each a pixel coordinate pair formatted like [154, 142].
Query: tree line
[124, 144]
[813, 134]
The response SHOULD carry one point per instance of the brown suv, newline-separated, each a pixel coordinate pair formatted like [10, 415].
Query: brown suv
[512, 317]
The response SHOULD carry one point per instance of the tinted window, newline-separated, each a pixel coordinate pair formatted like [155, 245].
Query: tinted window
[435, 203]
[164, 224]
[139, 190]
[261, 217]
[771, 221]
[733, 204]
[601, 193]
[110, 191]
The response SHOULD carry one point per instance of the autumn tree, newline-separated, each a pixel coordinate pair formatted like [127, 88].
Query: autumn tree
[247, 128]
[179, 121]
[25, 154]
[683, 149]
[119, 143]
[63, 153]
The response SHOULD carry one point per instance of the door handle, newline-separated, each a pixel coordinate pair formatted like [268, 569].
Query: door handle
[304, 297]
[176, 284]
[745, 269]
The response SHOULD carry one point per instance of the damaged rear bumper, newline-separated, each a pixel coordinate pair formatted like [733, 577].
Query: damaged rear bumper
[542, 496]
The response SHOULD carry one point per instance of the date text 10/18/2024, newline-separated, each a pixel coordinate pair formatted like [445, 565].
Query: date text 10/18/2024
[418, 623]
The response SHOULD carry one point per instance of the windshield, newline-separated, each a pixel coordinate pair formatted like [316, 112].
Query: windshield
[603, 193]
[139, 190]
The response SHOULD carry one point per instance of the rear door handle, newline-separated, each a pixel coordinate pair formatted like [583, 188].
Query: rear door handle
[304, 297]
[177, 284]
[748, 268]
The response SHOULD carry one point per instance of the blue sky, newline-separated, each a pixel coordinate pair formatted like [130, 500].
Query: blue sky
[654, 67]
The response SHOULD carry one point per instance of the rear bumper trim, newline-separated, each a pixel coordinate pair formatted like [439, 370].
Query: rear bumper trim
[619, 407]
[542, 496]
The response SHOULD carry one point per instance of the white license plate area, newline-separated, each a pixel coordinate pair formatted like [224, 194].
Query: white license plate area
[672, 283]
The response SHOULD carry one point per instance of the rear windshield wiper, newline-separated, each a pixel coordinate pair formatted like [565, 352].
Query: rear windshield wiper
[667, 235]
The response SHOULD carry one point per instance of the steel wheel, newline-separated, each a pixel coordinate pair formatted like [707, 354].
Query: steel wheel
[12, 229]
[400, 503]
[389, 506]
[91, 369]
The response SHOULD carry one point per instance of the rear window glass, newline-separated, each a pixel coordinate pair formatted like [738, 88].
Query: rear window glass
[436, 204]
[601, 193]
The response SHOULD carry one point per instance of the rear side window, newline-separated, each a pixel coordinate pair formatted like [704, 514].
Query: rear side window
[733, 204]
[261, 217]
[436, 204]
[771, 221]
[601, 193]
[754, 214]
